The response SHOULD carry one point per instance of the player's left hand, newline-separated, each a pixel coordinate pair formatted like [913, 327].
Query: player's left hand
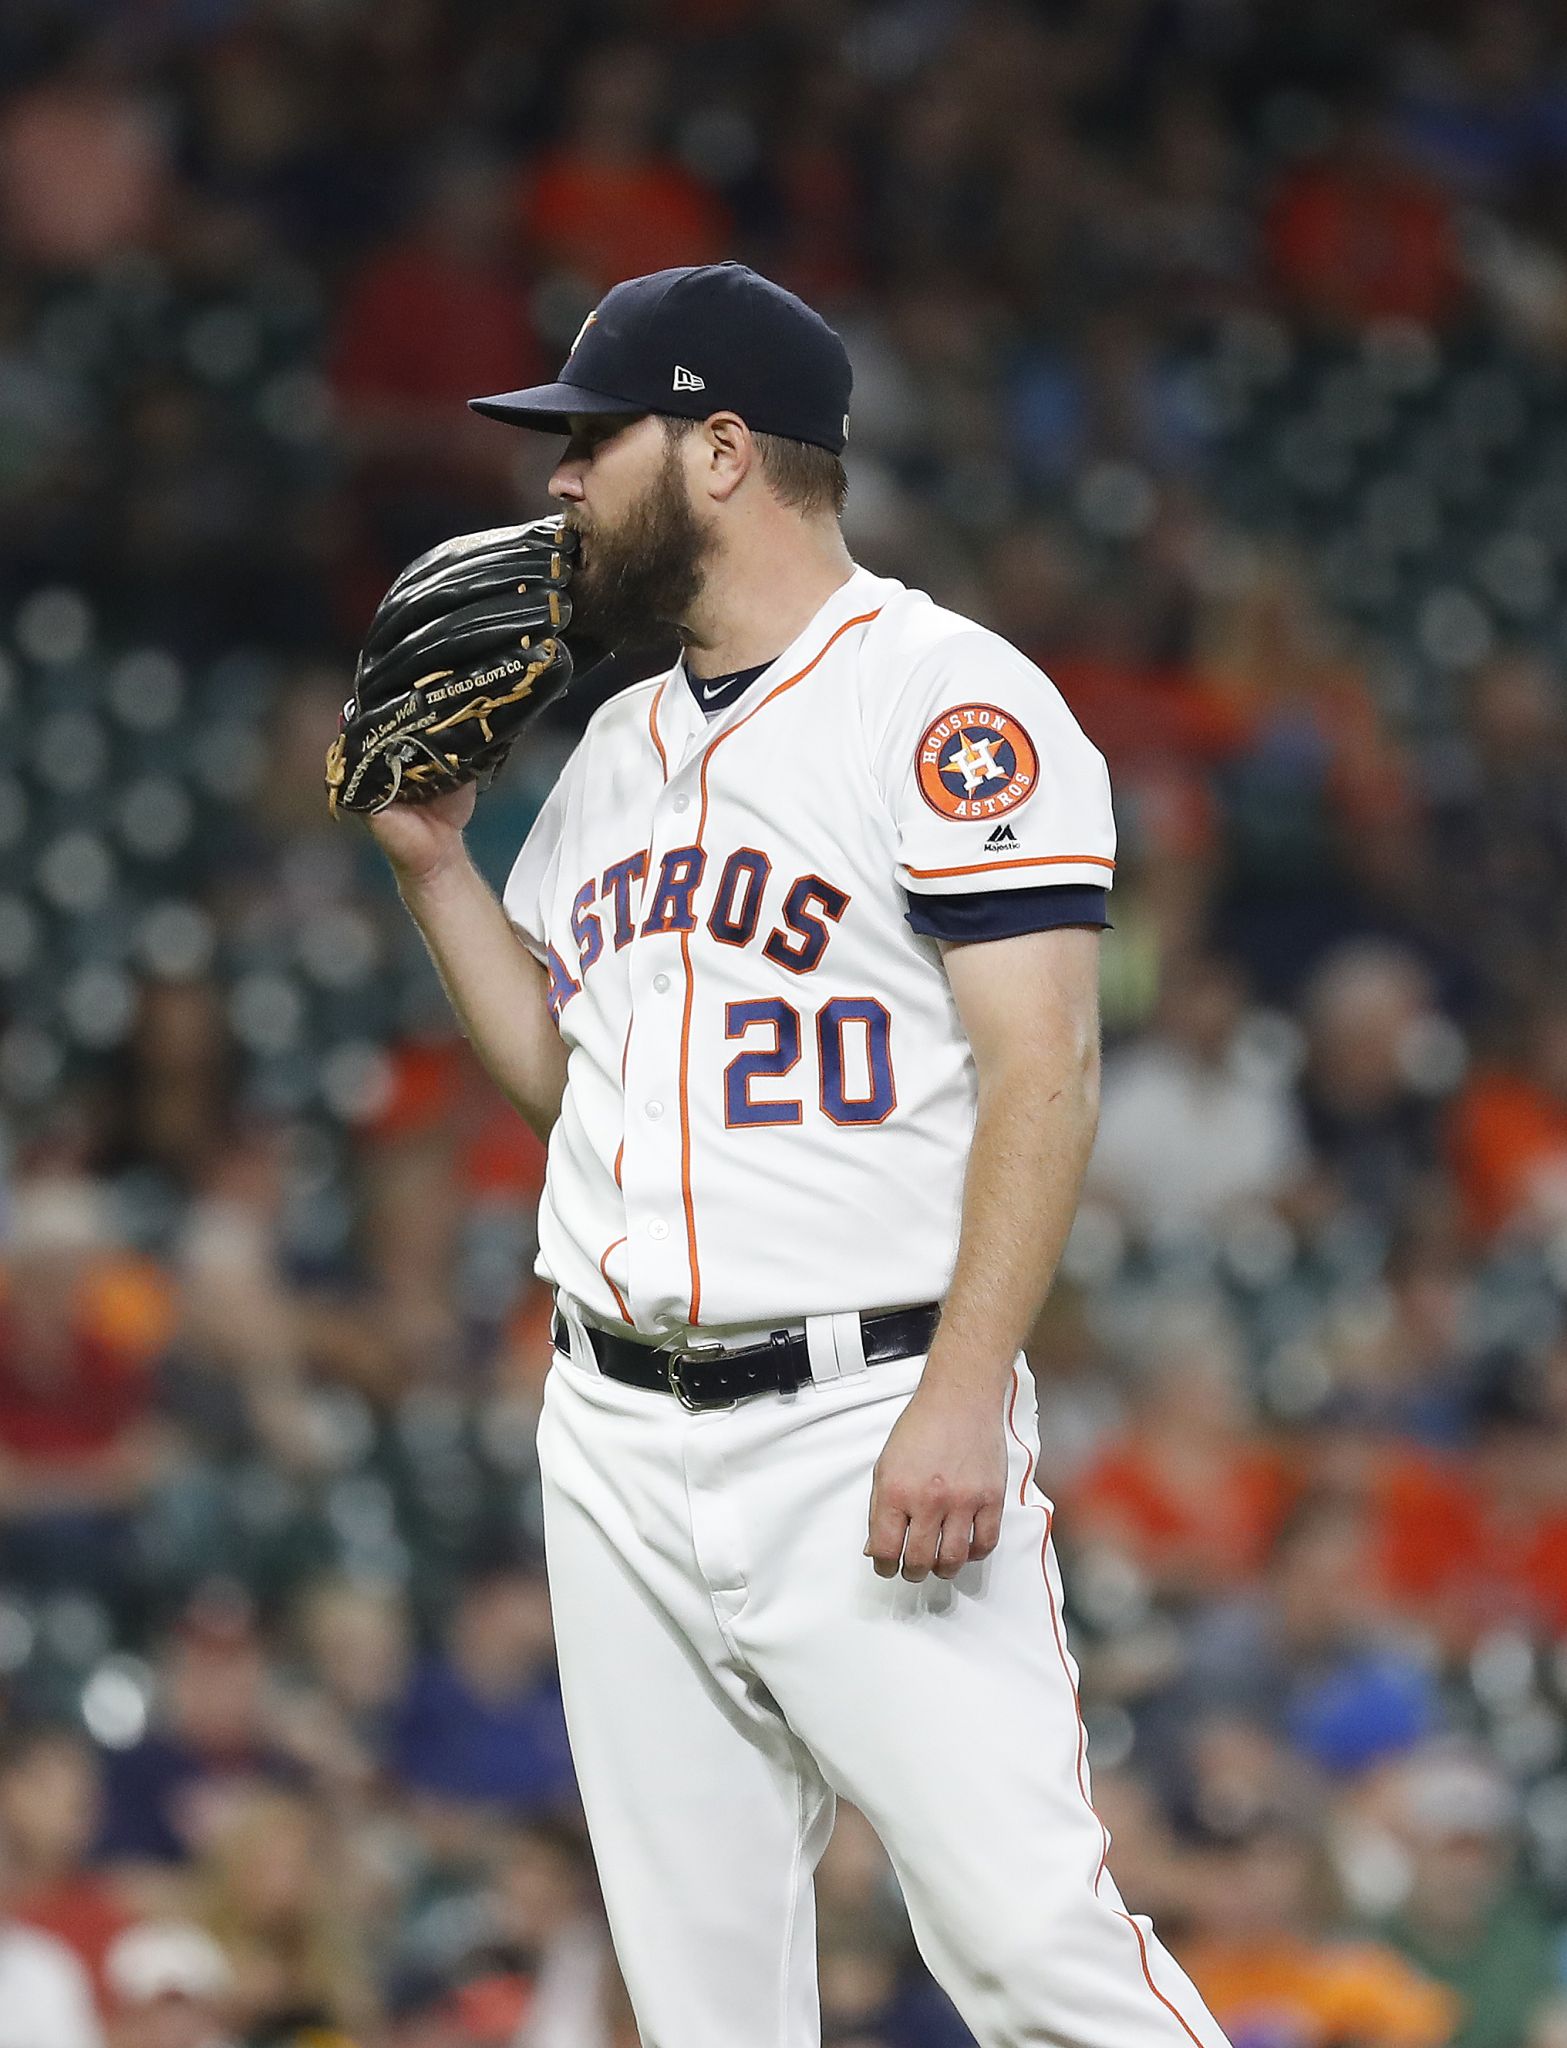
[939, 1485]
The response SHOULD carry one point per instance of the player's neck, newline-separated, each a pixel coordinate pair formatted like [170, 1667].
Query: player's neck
[760, 595]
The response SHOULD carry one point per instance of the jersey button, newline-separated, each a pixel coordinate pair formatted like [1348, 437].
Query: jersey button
[655, 1110]
[661, 984]
[682, 803]
[658, 1228]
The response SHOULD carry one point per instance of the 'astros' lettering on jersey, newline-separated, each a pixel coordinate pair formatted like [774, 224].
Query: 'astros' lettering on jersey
[769, 1096]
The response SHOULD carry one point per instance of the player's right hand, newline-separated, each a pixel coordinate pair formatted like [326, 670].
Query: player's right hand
[421, 839]
[939, 1486]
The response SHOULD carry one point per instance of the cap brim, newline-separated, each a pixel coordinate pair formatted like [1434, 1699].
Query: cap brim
[550, 406]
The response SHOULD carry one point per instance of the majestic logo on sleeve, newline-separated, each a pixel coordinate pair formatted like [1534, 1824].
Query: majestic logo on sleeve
[975, 762]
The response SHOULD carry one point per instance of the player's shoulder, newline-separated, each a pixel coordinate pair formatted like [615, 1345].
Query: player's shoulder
[922, 659]
[913, 636]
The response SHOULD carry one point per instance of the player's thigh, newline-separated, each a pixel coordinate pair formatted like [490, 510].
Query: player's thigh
[946, 1710]
[707, 1817]
[948, 1713]
[707, 1814]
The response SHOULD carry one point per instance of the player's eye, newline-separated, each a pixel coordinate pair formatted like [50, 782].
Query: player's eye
[587, 442]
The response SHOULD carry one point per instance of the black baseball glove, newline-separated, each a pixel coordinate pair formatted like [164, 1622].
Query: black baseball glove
[463, 652]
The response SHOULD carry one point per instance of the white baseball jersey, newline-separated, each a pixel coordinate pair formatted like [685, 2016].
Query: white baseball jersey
[770, 1097]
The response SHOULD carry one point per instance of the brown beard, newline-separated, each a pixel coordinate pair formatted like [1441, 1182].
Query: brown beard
[646, 572]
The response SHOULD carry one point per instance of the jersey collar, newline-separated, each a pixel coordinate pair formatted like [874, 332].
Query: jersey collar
[679, 722]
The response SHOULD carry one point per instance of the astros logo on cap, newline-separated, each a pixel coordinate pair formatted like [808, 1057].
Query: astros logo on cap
[975, 762]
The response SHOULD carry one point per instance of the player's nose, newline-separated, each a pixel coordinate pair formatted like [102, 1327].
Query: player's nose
[566, 481]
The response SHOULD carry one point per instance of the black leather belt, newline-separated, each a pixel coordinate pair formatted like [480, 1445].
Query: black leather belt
[708, 1376]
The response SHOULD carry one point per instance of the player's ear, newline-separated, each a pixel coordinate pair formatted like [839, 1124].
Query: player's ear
[728, 454]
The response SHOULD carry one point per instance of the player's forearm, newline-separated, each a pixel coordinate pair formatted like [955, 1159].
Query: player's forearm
[498, 990]
[1032, 1138]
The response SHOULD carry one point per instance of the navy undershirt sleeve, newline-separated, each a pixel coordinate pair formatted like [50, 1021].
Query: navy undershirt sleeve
[1005, 913]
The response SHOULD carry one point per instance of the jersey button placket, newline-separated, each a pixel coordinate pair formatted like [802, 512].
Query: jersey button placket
[651, 1180]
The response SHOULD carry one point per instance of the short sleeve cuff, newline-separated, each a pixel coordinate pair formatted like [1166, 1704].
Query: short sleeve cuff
[1006, 913]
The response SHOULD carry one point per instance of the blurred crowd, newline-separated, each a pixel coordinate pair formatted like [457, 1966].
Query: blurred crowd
[1214, 352]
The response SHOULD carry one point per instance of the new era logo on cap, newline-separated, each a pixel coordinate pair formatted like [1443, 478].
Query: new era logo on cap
[688, 380]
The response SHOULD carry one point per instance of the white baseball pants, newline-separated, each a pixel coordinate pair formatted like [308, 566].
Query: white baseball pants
[730, 1661]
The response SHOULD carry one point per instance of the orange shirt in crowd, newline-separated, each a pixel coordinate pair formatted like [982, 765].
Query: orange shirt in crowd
[1454, 1556]
[607, 220]
[1357, 247]
[1211, 1535]
[422, 327]
[1304, 1994]
[438, 1088]
[1508, 1143]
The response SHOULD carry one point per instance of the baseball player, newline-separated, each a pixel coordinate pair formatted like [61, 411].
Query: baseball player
[797, 973]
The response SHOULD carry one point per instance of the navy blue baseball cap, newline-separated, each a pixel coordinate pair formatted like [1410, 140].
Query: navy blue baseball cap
[715, 337]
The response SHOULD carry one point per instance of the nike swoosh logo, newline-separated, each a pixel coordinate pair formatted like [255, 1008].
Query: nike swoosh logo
[705, 692]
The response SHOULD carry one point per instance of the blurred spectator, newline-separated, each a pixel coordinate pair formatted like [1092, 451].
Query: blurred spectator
[1498, 800]
[211, 1747]
[1367, 1093]
[1310, 1655]
[858, 1975]
[1269, 1969]
[83, 164]
[439, 1120]
[436, 317]
[1308, 767]
[1359, 235]
[1190, 227]
[1188, 1494]
[172, 1987]
[816, 244]
[1483, 105]
[480, 1727]
[353, 1644]
[1403, 1354]
[50, 1798]
[268, 136]
[239, 1377]
[871, 1989]
[545, 1906]
[82, 1326]
[274, 1889]
[170, 1090]
[606, 202]
[1192, 1131]
[1466, 1918]
[1509, 1132]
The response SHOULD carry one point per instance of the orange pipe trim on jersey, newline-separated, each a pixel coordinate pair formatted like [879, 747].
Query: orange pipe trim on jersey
[695, 1303]
[620, 1153]
[620, 1300]
[1077, 1706]
[1043, 860]
[654, 701]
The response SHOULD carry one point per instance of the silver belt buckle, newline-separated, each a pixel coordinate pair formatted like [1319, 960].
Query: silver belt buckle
[682, 1392]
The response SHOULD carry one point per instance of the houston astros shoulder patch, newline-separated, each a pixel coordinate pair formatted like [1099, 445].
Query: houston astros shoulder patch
[975, 761]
